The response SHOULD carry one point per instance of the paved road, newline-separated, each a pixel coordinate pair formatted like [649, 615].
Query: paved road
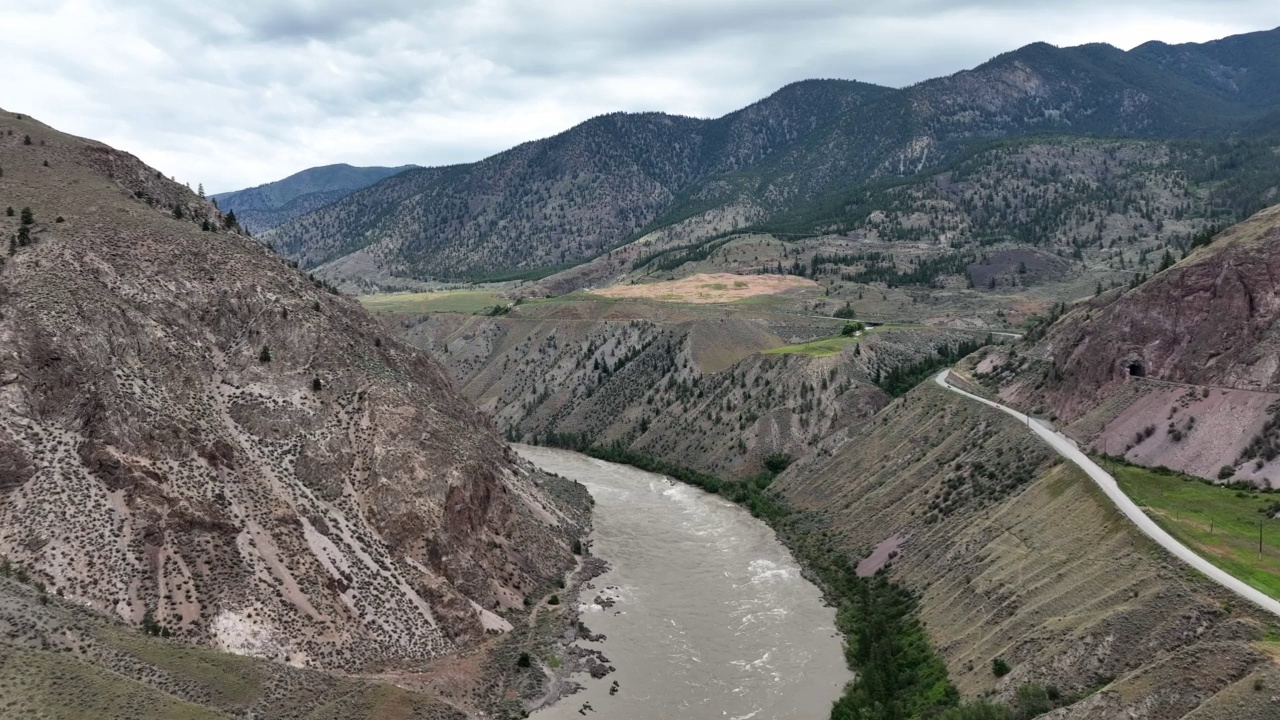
[1067, 448]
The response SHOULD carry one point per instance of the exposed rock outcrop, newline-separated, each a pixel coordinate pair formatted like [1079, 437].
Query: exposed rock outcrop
[194, 432]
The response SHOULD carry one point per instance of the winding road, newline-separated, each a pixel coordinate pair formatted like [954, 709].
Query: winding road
[1067, 448]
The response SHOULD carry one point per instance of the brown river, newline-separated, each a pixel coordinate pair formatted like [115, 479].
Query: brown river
[712, 618]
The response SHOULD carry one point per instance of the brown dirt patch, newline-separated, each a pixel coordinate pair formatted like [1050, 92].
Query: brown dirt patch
[710, 288]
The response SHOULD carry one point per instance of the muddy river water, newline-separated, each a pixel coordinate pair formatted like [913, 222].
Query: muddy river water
[712, 617]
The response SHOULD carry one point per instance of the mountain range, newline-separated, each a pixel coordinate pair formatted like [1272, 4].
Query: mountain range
[796, 158]
[275, 203]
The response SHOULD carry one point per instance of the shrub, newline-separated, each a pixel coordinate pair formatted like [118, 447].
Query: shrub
[265, 355]
[777, 462]
[553, 600]
[999, 667]
[1031, 701]
[1226, 472]
[851, 328]
[59, 219]
[577, 546]
[316, 384]
[523, 661]
[845, 313]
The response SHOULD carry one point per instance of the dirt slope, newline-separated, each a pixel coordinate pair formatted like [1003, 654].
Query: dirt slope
[1017, 556]
[190, 429]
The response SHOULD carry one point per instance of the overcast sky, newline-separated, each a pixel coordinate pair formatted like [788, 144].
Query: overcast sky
[239, 92]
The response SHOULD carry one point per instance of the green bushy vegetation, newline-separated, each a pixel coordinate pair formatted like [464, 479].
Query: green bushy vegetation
[899, 380]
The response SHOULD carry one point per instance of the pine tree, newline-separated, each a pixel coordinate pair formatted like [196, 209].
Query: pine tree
[177, 212]
[9, 211]
[316, 385]
[229, 221]
[24, 236]
[28, 217]
[265, 355]
[200, 190]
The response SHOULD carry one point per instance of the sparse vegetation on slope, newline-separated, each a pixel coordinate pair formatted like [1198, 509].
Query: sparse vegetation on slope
[204, 443]
[58, 660]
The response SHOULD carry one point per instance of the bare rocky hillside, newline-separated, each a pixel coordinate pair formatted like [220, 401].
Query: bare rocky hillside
[1192, 353]
[197, 438]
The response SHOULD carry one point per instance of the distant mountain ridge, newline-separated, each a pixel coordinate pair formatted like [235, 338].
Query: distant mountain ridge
[271, 204]
[557, 202]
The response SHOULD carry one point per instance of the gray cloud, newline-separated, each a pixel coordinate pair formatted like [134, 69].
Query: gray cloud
[247, 91]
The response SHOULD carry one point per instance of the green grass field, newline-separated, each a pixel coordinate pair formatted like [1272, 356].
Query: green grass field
[459, 301]
[1219, 523]
[822, 347]
[827, 346]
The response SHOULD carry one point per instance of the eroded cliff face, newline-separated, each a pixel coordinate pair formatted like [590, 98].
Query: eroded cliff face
[1208, 320]
[688, 385]
[192, 430]
[1183, 370]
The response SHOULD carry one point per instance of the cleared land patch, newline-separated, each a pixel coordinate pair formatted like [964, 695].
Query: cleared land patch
[709, 288]
[822, 347]
[1220, 523]
[459, 301]
[827, 346]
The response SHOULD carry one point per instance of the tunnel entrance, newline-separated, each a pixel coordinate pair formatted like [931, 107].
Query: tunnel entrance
[1135, 370]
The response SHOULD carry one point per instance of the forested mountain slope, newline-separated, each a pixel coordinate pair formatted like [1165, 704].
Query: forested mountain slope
[807, 149]
[558, 200]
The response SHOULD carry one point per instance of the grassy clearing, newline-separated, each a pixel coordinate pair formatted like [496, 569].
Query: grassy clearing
[822, 347]
[47, 685]
[458, 301]
[827, 346]
[227, 680]
[1220, 523]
